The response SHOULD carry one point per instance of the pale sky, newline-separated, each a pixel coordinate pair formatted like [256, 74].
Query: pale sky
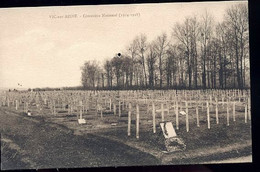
[37, 51]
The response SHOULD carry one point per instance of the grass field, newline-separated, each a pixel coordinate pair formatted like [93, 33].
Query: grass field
[203, 145]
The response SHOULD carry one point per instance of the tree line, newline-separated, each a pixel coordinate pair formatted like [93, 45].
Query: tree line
[198, 53]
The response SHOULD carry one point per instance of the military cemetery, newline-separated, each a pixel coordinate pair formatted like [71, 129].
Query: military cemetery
[166, 98]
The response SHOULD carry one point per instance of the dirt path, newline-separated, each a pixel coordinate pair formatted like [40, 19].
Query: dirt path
[31, 143]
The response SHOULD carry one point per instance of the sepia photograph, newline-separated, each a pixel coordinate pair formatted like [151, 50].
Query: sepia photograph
[125, 85]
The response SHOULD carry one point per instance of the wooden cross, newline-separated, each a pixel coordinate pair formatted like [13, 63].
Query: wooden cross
[162, 110]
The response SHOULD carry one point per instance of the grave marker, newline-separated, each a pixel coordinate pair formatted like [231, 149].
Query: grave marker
[81, 121]
[234, 111]
[172, 142]
[217, 120]
[16, 104]
[154, 124]
[208, 117]
[177, 115]
[187, 117]
[162, 110]
[227, 115]
[137, 121]
[129, 120]
[114, 107]
[119, 108]
[197, 116]
[168, 130]
[245, 113]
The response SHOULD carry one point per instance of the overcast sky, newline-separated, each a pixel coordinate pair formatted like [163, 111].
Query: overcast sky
[39, 51]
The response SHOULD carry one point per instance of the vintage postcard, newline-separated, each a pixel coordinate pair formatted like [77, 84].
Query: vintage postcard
[125, 85]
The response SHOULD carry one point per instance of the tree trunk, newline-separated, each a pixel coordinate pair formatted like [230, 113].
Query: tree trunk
[145, 77]
[160, 70]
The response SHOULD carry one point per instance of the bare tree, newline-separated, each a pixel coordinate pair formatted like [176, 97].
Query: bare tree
[200, 54]
[126, 69]
[186, 35]
[142, 46]
[161, 46]
[206, 32]
[117, 68]
[171, 65]
[109, 73]
[151, 61]
[237, 21]
[132, 51]
[90, 74]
